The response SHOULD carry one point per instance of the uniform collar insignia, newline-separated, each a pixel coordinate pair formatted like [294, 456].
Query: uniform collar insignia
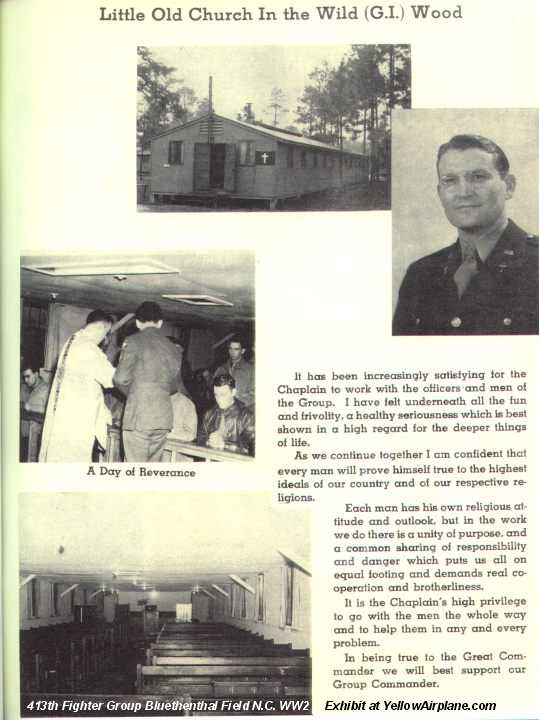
[508, 251]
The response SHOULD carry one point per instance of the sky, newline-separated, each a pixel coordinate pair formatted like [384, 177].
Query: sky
[243, 74]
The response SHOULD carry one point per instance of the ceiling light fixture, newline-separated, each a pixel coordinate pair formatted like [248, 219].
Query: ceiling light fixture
[203, 300]
[117, 266]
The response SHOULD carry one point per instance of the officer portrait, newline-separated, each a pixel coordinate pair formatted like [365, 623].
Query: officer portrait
[479, 274]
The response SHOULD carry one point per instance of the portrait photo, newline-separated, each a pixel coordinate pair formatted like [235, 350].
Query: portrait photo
[465, 218]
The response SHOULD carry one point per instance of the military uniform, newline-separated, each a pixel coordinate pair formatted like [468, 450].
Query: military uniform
[501, 299]
[236, 424]
[148, 373]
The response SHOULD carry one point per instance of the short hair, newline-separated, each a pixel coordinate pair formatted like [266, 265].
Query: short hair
[30, 364]
[238, 339]
[99, 316]
[224, 379]
[465, 142]
[149, 311]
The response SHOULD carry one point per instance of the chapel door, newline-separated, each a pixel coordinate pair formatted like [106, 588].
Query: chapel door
[201, 168]
[217, 166]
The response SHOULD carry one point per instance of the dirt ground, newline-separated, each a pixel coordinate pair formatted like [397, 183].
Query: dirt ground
[371, 197]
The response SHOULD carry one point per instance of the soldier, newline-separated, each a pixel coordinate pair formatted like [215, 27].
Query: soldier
[228, 425]
[241, 370]
[148, 373]
[486, 283]
[36, 399]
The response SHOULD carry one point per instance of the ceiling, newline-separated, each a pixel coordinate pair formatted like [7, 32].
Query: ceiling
[228, 276]
[164, 541]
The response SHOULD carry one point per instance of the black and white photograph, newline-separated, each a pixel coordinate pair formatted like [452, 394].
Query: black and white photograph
[146, 358]
[465, 248]
[268, 127]
[198, 600]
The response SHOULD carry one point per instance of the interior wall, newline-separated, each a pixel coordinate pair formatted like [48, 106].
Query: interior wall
[200, 351]
[300, 640]
[109, 607]
[165, 601]
[245, 615]
[45, 613]
[64, 320]
[201, 607]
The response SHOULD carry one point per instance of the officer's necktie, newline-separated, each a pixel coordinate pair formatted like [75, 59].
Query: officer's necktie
[467, 269]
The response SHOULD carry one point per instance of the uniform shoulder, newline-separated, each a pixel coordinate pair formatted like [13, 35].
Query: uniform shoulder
[427, 262]
[177, 349]
[245, 365]
[131, 341]
[171, 349]
[242, 408]
[516, 234]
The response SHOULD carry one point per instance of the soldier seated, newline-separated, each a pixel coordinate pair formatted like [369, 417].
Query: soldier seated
[229, 425]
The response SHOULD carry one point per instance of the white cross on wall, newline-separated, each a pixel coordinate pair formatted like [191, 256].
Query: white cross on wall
[265, 156]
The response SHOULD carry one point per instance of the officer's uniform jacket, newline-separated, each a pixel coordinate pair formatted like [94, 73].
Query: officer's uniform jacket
[501, 299]
[148, 372]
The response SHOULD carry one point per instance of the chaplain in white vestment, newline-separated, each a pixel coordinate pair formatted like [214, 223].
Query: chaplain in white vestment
[76, 413]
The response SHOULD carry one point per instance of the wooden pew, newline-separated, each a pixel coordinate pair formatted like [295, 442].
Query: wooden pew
[222, 652]
[218, 647]
[226, 676]
[34, 422]
[173, 450]
[68, 656]
[195, 627]
[221, 661]
[167, 630]
[194, 663]
[200, 634]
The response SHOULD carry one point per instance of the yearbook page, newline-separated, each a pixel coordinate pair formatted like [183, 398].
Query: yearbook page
[270, 319]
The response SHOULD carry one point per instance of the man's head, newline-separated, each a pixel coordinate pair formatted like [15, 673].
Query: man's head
[98, 324]
[224, 389]
[149, 314]
[30, 373]
[474, 182]
[236, 348]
